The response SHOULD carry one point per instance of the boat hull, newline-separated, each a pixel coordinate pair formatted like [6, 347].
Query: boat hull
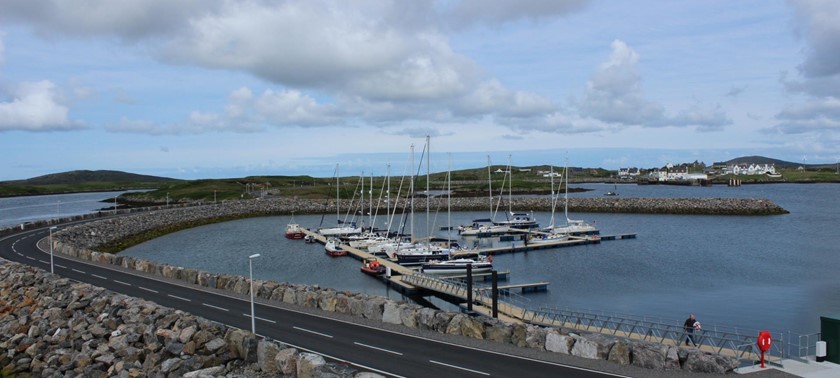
[459, 269]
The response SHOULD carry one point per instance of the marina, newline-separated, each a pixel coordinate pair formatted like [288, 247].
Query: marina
[451, 287]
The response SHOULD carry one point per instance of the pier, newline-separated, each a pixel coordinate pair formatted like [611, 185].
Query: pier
[526, 246]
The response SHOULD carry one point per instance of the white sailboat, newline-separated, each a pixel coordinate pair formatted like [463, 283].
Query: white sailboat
[572, 227]
[342, 229]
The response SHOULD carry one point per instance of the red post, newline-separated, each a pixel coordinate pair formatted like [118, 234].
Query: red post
[764, 342]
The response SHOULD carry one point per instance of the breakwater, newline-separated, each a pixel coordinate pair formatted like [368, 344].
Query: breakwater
[54, 327]
[72, 242]
[113, 235]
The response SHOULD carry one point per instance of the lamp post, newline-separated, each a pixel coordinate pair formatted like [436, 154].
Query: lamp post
[251, 278]
[52, 267]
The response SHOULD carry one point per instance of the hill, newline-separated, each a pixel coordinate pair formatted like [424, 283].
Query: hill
[778, 163]
[86, 176]
[82, 181]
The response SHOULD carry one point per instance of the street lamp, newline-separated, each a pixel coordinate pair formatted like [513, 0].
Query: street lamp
[52, 267]
[251, 278]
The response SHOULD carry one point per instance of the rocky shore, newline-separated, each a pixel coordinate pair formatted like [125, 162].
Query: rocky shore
[53, 327]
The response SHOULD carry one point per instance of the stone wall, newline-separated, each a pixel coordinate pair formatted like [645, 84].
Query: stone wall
[593, 346]
[54, 327]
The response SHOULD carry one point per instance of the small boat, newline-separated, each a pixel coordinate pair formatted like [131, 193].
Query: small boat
[333, 248]
[457, 266]
[372, 267]
[613, 192]
[294, 230]
[309, 238]
[547, 237]
[421, 254]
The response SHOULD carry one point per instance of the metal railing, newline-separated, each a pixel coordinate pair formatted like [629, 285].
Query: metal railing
[740, 343]
[731, 341]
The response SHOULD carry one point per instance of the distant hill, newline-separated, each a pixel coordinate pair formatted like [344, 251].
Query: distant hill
[778, 163]
[85, 176]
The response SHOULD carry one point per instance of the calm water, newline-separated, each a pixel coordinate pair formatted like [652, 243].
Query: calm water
[17, 210]
[769, 272]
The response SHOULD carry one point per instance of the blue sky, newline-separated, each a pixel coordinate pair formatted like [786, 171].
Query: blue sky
[209, 89]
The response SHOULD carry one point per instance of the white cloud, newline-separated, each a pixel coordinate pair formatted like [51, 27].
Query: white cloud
[818, 19]
[35, 106]
[614, 92]
[614, 96]
[819, 73]
[2, 48]
[466, 13]
[127, 19]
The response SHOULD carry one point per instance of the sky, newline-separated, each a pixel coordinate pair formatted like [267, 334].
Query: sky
[220, 88]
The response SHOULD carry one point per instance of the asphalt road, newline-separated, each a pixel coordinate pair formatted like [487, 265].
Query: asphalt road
[368, 348]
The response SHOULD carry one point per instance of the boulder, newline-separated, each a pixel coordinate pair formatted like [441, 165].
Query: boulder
[620, 353]
[472, 327]
[558, 343]
[672, 358]
[649, 356]
[391, 313]
[243, 344]
[326, 300]
[266, 354]
[289, 296]
[206, 372]
[309, 365]
[535, 337]
[584, 347]
[286, 361]
[700, 362]
[375, 308]
[408, 314]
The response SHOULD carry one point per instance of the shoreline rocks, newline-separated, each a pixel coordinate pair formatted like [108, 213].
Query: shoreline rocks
[54, 327]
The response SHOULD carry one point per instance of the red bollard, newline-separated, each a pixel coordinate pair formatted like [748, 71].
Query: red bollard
[764, 342]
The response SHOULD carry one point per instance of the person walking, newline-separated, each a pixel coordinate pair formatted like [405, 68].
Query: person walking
[689, 326]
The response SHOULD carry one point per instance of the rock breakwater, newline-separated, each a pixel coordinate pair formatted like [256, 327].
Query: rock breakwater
[54, 327]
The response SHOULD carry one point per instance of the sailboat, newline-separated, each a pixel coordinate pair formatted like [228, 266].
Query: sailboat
[613, 192]
[573, 227]
[518, 220]
[341, 229]
[484, 227]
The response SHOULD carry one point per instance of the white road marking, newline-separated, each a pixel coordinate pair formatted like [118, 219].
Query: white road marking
[122, 283]
[31, 258]
[263, 319]
[98, 276]
[61, 266]
[379, 349]
[43, 262]
[177, 297]
[78, 271]
[458, 367]
[311, 331]
[216, 307]
[143, 288]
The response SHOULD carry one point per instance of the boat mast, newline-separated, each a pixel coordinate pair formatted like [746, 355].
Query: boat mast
[553, 197]
[411, 195]
[337, 199]
[388, 196]
[490, 185]
[428, 194]
[362, 198]
[566, 194]
[449, 198]
[510, 187]
[370, 213]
